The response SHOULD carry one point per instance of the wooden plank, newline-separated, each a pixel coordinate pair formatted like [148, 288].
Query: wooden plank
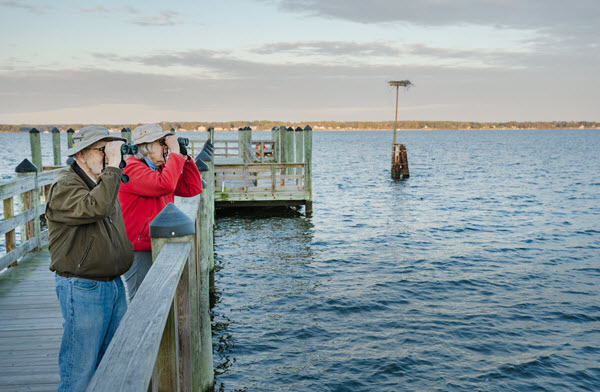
[128, 362]
[11, 221]
[47, 177]
[16, 187]
[17, 253]
[9, 230]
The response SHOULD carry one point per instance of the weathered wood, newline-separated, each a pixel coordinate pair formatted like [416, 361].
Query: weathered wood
[36, 148]
[129, 360]
[10, 223]
[18, 252]
[47, 176]
[17, 187]
[308, 168]
[9, 231]
[399, 162]
[70, 133]
[56, 147]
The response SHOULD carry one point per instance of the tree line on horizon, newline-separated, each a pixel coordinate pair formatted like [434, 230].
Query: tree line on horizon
[319, 125]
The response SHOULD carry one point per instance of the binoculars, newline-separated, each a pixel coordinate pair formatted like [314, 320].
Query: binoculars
[183, 141]
[126, 149]
[129, 149]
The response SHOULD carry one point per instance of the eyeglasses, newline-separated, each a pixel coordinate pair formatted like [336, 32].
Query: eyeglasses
[101, 149]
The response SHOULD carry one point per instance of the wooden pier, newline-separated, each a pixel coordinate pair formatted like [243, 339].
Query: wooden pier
[164, 341]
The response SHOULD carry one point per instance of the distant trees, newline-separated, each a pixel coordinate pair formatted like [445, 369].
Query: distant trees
[318, 125]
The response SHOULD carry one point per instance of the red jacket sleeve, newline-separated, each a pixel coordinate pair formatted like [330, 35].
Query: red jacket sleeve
[146, 182]
[190, 182]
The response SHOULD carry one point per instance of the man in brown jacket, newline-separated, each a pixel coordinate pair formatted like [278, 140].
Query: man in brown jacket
[90, 251]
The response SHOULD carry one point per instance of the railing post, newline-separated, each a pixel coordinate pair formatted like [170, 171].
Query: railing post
[29, 200]
[211, 205]
[36, 148]
[244, 138]
[275, 137]
[173, 370]
[299, 150]
[204, 250]
[70, 133]
[56, 146]
[10, 237]
[308, 168]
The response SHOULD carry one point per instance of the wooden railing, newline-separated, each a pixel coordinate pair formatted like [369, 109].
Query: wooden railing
[246, 181]
[260, 150]
[29, 191]
[164, 340]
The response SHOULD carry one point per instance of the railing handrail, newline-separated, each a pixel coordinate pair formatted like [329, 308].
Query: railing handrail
[36, 238]
[129, 361]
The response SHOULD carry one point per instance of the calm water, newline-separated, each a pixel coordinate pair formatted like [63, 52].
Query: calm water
[479, 273]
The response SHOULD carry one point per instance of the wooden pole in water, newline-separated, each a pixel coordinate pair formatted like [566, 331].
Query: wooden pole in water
[126, 133]
[308, 168]
[36, 148]
[275, 137]
[399, 158]
[298, 134]
[70, 133]
[56, 146]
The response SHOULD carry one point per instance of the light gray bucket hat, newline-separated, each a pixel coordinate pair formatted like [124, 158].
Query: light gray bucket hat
[90, 135]
[148, 133]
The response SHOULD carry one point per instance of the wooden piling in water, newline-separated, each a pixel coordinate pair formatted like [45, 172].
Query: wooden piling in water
[276, 143]
[308, 168]
[126, 133]
[399, 162]
[299, 155]
[70, 133]
[244, 140]
[36, 148]
[56, 146]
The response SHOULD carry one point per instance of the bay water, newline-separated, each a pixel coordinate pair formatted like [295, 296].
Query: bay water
[481, 272]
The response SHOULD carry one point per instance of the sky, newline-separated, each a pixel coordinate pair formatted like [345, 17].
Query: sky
[298, 60]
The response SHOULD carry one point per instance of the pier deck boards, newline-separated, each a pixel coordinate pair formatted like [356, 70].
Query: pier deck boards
[30, 326]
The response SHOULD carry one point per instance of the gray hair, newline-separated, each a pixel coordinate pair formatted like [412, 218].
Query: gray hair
[143, 150]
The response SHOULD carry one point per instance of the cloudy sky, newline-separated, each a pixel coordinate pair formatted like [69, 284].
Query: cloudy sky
[298, 60]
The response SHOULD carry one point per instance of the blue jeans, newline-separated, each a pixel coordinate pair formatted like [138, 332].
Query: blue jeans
[91, 313]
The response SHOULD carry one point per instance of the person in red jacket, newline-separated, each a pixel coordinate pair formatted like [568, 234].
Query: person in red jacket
[157, 173]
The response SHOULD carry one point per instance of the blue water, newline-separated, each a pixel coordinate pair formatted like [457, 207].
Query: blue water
[480, 272]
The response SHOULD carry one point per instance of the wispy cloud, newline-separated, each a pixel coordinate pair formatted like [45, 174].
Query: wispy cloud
[164, 18]
[329, 48]
[37, 9]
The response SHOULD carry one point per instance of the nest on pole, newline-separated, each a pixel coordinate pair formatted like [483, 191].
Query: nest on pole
[401, 83]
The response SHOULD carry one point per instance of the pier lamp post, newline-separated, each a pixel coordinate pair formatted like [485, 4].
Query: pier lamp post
[399, 159]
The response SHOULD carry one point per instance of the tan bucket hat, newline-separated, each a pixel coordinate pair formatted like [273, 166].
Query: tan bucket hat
[90, 135]
[148, 133]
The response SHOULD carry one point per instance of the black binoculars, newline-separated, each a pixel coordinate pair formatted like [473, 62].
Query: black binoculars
[126, 149]
[183, 141]
[129, 149]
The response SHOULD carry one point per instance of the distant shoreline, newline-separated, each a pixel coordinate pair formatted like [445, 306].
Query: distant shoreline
[266, 125]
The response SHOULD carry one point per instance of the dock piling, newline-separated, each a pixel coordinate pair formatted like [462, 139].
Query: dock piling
[36, 148]
[399, 162]
[56, 146]
[70, 133]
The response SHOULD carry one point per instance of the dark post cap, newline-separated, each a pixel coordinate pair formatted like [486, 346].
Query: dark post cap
[70, 130]
[170, 223]
[307, 128]
[290, 129]
[128, 129]
[298, 129]
[211, 128]
[205, 156]
[33, 130]
[203, 183]
[172, 130]
[25, 167]
[125, 130]
[55, 130]
[70, 160]
[202, 167]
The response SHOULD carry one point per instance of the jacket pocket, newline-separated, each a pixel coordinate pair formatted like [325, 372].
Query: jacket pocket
[85, 254]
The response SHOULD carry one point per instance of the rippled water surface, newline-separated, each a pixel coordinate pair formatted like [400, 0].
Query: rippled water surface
[479, 273]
